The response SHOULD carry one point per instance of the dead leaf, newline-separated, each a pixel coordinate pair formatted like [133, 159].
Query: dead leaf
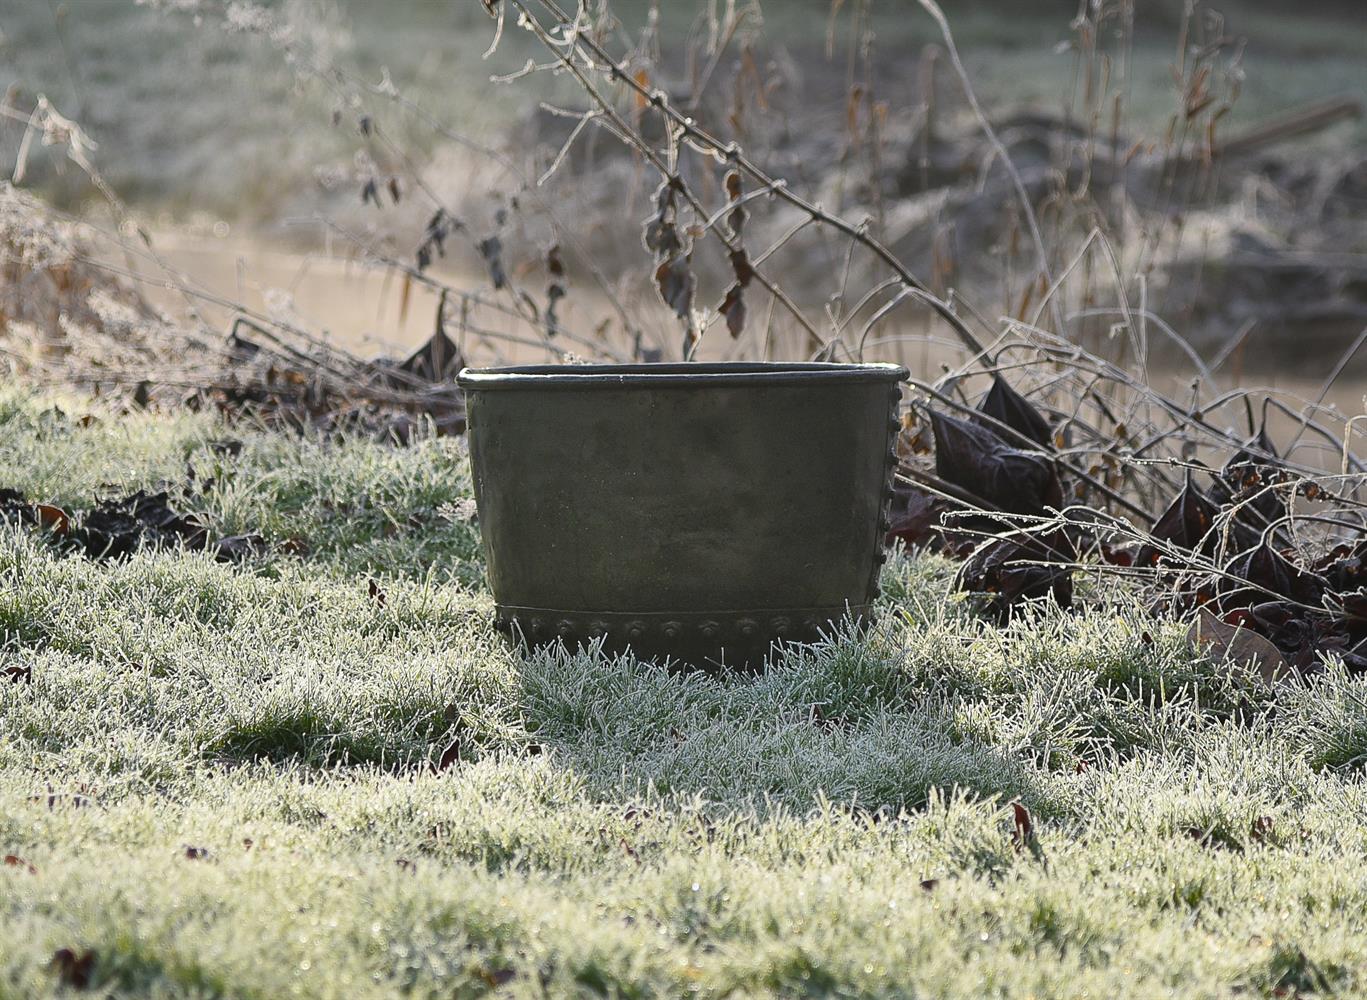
[1005, 405]
[450, 756]
[73, 970]
[1022, 826]
[1005, 572]
[1186, 524]
[53, 518]
[978, 460]
[733, 308]
[741, 267]
[491, 249]
[17, 674]
[915, 515]
[676, 283]
[14, 861]
[1240, 646]
[497, 977]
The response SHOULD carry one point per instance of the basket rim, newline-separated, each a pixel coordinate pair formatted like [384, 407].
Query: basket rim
[691, 374]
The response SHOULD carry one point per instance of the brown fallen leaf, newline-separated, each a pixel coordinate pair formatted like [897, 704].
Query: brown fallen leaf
[53, 518]
[1023, 826]
[1240, 646]
[193, 853]
[73, 970]
[17, 674]
[497, 977]
[14, 861]
[450, 756]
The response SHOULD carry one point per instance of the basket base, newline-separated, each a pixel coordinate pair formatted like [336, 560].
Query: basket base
[707, 640]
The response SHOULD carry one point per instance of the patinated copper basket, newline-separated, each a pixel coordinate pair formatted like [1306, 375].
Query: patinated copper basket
[691, 512]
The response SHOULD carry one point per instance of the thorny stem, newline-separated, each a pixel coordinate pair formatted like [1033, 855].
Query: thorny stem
[732, 153]
[423, 278]
[535, 26]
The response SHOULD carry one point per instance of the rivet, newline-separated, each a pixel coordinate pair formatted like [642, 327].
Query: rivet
[565, 628]
[747, 627]
[539, 627]
[671, 630]
[635, 630]
[710, 630]
[597, 628]
[781, 626]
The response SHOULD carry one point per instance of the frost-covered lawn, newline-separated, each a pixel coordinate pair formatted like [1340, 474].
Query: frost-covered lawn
[221, 780]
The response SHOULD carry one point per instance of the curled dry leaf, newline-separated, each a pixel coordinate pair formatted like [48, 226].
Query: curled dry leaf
[1007, 572]
[1247, 478]
[74, 970]
[555, 288]
[1270, 572]
[1005, 404]
[915, 515]
[17, 673]
[1240, 646]
[1022, 826]
[450, 756]
[733, 308]
[977, 460]
[491, 249]
[497, 977]
[53, 518]
[376, 592]
[741, 267]
[1187, 524]
[676, 283]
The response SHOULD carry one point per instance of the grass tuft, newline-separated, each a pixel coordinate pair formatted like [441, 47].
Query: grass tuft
[839, 825]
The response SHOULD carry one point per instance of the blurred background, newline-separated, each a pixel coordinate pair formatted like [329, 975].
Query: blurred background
[288, 154]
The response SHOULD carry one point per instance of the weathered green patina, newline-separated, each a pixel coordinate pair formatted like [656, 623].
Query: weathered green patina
[696, 512]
